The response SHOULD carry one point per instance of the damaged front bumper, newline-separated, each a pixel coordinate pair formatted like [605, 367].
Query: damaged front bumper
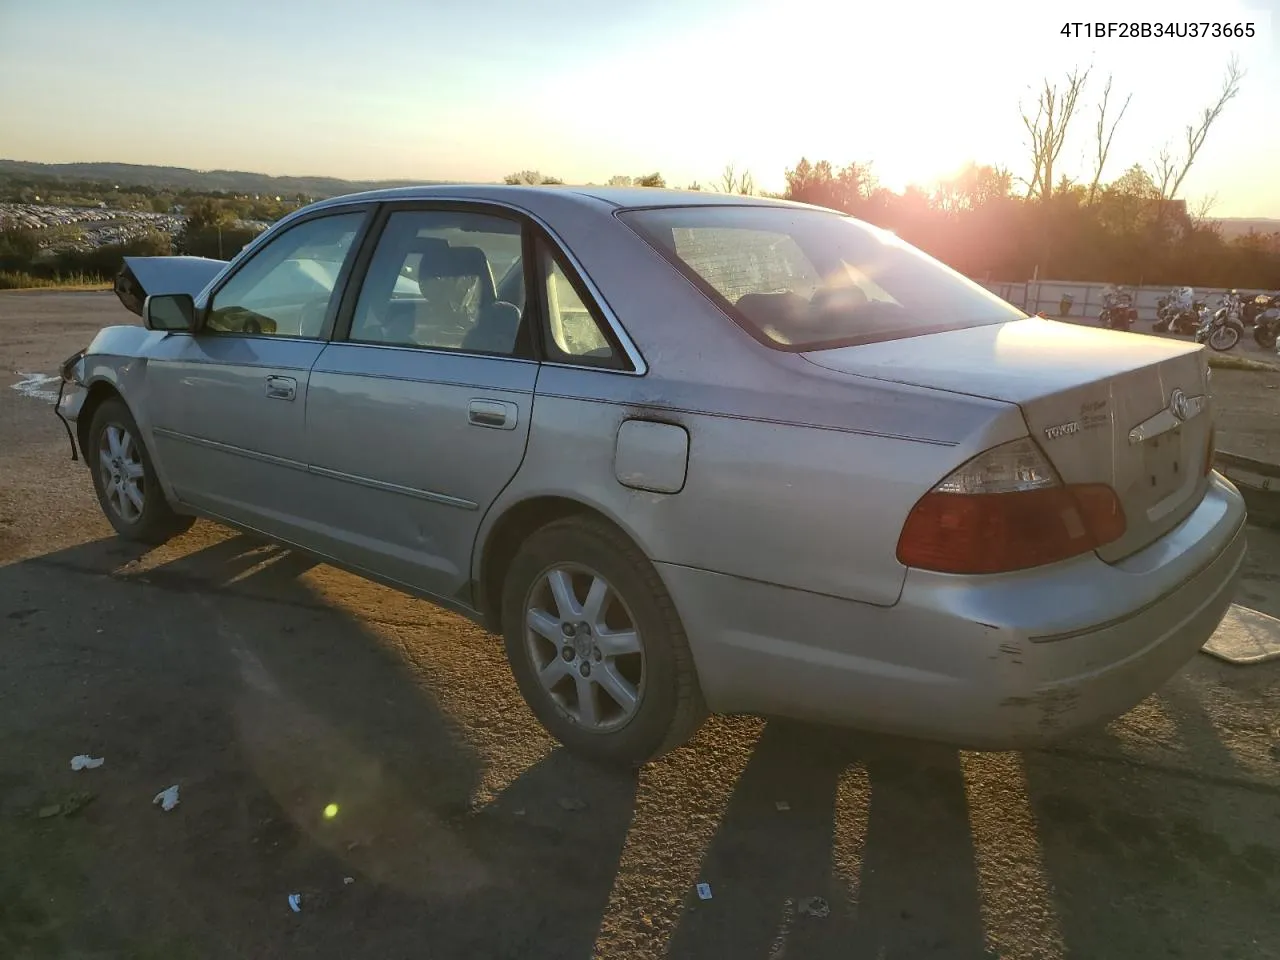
[71, 395]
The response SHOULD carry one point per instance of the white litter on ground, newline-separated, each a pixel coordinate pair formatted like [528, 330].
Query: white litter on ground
[167, 799]
[704, 891]
[35, 386]
[86, 762]
[347, 881]
[295, 902]
[782, 805]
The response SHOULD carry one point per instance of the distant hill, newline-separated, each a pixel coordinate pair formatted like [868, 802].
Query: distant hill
[182, 178]
[1239, 226]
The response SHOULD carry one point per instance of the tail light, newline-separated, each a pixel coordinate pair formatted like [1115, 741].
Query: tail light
[1007, 509]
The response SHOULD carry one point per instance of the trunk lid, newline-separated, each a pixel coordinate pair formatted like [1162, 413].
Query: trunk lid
[1124, 409]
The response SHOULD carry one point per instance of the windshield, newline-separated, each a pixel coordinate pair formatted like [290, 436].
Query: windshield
[808, 279]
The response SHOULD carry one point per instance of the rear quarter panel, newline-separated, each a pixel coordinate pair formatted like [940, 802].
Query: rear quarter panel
[806, 488]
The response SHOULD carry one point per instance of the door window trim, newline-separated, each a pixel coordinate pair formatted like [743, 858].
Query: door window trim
[269, 236]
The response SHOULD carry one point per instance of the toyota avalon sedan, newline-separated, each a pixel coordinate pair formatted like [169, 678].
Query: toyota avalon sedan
[684, 452]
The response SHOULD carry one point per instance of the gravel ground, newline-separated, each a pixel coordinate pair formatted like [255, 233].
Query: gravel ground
[271, 688]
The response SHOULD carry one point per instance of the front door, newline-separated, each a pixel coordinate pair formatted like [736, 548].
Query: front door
[230, 401]
[417, 418]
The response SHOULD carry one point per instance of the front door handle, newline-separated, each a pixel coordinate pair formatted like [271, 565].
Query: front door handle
[282, 388]
[498, 414]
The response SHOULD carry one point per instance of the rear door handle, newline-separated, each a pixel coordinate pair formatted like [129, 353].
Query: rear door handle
[498, 414]
[282, 388]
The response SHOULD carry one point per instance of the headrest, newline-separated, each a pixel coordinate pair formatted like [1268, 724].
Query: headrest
[439, 260]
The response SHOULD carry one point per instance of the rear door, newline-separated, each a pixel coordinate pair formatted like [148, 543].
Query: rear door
[418, 412]
[228, 404]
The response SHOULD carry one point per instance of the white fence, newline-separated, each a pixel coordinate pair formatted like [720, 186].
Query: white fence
[1037, 296]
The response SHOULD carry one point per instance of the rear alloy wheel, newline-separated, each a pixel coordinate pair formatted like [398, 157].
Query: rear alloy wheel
[596, 646]
[125, 481]
[1264, 336]
[1224, 337]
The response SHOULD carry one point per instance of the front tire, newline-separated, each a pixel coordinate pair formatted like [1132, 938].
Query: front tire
[596, 646]
[125, 480]
[1224, 338]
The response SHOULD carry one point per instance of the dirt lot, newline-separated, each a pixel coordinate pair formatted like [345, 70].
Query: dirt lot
[270, 688]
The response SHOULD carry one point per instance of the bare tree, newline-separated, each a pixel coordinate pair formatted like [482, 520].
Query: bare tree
[1170, 177]
[1164, 170]
[1048, 129]
[1200, 213]
[746, 183]
[1103, 135]
[729, 179]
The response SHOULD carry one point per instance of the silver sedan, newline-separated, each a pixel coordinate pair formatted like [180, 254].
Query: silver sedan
[684, 452]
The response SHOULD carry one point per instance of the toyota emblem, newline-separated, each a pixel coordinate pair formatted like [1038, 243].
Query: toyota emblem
[1178, 404]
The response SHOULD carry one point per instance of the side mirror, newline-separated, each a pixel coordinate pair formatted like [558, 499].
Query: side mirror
[174, 312]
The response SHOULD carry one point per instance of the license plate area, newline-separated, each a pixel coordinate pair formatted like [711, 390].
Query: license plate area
[1162, 464]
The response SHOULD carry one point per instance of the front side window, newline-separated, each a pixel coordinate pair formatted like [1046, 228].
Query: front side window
[807, 279]
[431, 283]
[287, 287]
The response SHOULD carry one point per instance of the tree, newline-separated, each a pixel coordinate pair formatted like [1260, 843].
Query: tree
[619, 181]
[1172, 169]
[650, 180]
[732, 182]
[849, 189]
[206, 212]
[1103, 135]
[1048, 130]
[531, 177]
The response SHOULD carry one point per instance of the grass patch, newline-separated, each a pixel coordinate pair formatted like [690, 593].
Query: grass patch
[1231, 361]
[20, 280]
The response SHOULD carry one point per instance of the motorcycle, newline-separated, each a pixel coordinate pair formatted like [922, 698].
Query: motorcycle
[1222, 329]
[1118, 311]
[1179, 312]
[1254, 308]
[1266, 325]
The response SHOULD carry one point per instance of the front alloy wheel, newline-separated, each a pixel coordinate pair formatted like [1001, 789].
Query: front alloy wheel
[123, 477]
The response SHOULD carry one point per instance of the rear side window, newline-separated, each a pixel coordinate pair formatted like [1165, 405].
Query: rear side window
[432, 283]
[574, 332]
[807, 279]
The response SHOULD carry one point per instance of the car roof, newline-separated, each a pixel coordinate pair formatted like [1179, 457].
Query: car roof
[534, 196]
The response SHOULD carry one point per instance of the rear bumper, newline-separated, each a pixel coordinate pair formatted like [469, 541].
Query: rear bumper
[988, 662]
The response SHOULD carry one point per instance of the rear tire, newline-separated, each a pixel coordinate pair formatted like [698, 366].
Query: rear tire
[1264, 337]
[125, 479]
[618, 692]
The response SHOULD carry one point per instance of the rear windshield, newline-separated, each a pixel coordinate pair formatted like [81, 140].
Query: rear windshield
[807, 279]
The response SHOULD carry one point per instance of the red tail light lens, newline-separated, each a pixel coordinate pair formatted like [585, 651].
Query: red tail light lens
[1005, 510]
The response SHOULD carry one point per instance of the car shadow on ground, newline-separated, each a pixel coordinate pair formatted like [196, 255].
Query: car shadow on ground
[374, 740]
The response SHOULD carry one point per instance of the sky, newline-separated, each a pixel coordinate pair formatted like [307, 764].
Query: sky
[586, 89]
